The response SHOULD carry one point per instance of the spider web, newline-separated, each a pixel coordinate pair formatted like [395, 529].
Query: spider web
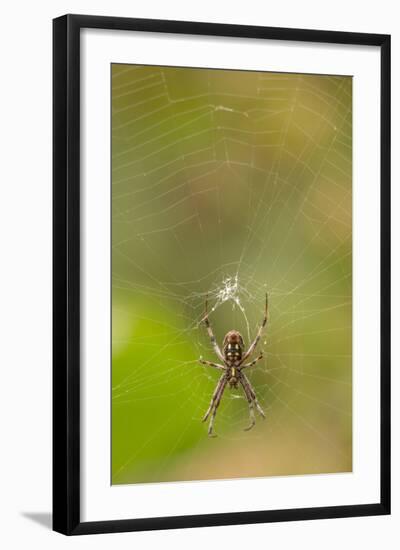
[230, 184]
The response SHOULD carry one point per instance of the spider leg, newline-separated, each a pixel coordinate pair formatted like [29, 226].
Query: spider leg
[252, 362]
[216, 405]
[251, 406]
[211, 364]
[253, 345]
[215, 400]
[246, 382]
[211, 334]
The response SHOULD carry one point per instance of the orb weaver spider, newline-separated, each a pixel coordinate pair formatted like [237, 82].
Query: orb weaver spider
[233, 359]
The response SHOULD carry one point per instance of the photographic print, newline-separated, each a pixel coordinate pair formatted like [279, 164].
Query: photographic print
[221, 274]
[231, 274]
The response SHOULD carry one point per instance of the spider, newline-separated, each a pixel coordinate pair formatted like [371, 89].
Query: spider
[233, 360]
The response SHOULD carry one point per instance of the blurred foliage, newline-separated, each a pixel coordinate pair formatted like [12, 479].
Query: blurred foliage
[219, 174]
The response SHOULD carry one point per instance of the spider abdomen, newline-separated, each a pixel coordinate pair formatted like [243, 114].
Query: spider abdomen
[233, 347]
[233, 353]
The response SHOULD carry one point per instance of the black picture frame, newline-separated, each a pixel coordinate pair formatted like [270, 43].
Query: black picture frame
[66, 273]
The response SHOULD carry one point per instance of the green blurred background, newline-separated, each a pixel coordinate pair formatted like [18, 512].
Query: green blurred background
[230, 183]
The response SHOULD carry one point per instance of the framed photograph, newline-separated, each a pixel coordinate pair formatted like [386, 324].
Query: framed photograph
[221, 274]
